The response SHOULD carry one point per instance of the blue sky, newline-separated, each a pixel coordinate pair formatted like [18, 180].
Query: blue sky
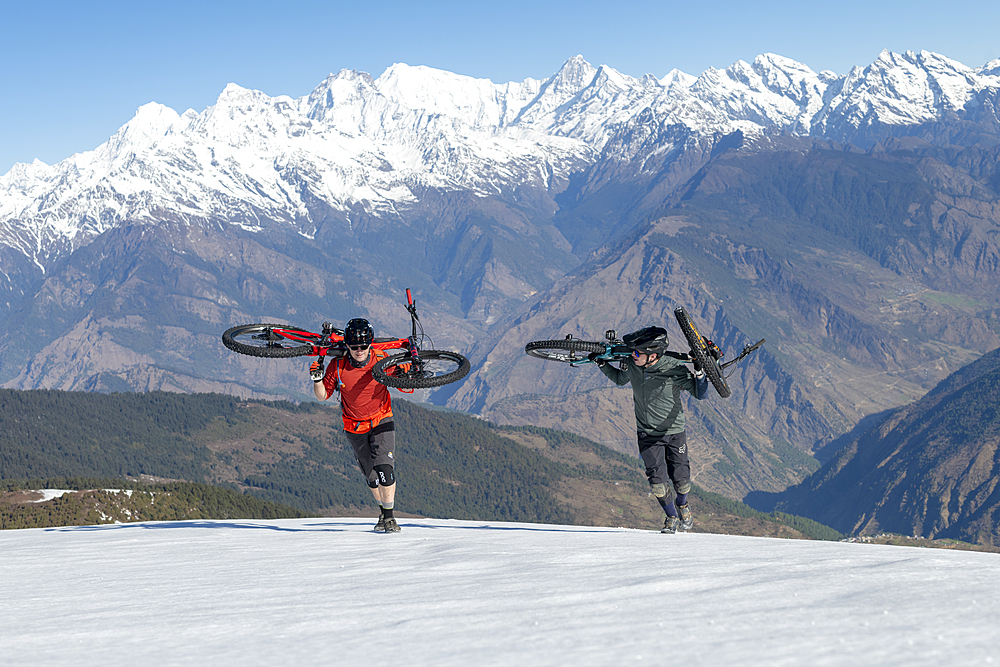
[73, 72]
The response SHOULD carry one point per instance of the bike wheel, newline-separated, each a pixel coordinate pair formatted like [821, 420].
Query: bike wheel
[270, 340]
[699, 350]
[567, 351]
[433, 368]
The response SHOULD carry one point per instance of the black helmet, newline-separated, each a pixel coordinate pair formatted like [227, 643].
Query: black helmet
[359, 332]
[650, 340]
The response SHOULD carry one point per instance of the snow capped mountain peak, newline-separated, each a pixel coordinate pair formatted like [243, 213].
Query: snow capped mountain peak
[787, 77]
[478, 101]
[992, 68]
[575, 74]
[346, 90]
[771, 92]
[676, 80]
[150, 123]
[906, 89]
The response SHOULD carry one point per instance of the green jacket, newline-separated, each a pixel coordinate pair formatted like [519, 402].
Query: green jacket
[656, 392]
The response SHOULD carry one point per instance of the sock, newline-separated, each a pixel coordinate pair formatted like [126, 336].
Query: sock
[387, 510]
[667, 506]
[682, 499]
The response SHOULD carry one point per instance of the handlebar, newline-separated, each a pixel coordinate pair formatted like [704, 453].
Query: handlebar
[746, 350]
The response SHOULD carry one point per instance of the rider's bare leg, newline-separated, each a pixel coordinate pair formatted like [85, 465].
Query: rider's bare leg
[385, 495]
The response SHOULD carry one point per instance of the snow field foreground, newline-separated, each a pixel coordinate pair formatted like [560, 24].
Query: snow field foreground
[331, 592]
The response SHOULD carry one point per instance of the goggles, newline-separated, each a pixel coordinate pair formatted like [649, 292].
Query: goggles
[359, 348]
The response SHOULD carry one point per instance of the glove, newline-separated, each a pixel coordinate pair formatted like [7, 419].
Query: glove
[593, 356]
[698, 371]
[316, 371]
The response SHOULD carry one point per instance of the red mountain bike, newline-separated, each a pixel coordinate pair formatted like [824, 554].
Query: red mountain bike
[414, 368]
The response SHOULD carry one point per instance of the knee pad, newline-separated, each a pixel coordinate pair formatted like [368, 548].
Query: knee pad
[682, 488]
[384, 475]
[658, 490]
[372, 483]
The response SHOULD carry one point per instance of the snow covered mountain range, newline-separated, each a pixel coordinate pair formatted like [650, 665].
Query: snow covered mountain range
[355, 141]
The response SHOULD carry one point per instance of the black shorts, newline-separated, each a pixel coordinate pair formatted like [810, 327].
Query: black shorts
[666, 457]
[374, 448]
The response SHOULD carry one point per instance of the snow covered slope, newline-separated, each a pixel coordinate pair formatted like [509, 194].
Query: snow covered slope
[331, 592]
[255, 160]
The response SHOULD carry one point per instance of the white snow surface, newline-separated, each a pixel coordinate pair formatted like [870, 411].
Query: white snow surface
[51, 494]
[332, 592]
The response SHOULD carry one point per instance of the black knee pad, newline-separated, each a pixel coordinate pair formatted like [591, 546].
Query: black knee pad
[372, 483]
[384, 475]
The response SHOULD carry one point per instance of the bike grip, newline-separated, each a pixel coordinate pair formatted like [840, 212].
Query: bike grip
[409, 297]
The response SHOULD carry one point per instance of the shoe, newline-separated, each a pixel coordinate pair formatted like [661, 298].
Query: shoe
[670, 525]
[380, 526]
[391, 526]
[687, 519]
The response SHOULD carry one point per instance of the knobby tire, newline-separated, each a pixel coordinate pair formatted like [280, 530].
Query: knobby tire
[262, 340]
[563, 350]
[699, 350]
[436, 368]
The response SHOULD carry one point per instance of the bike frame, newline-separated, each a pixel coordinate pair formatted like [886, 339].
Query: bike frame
[332, 344]
[618, 351]
[612, 352]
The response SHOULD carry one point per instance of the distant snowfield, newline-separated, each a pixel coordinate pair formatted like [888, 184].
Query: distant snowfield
[330, 591]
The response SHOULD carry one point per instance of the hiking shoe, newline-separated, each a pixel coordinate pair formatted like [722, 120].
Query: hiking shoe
[380, 526]
[670, 525]
[391, 526]
[687, 519]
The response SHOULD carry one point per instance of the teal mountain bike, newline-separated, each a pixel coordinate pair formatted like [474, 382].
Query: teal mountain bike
[703, 354]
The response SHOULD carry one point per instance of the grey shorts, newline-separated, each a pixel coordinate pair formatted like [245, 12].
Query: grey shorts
[374, 448]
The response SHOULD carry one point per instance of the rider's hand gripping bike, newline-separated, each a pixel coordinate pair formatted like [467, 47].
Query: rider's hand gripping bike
[413, 368]
[704, 353]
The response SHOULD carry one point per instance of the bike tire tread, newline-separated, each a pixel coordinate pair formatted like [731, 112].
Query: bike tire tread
[381, 370]
[537, 349]
[708, 363]
[276, 352]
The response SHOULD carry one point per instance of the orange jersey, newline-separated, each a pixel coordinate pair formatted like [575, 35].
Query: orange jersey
[363, 401]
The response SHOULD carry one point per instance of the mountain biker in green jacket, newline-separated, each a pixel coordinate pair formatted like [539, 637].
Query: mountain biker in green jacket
[658, 377]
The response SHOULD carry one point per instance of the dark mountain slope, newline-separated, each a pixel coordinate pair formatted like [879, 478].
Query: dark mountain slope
[931, 468]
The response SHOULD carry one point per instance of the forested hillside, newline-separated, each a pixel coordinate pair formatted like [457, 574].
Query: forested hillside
[98, 501]
[450, 465]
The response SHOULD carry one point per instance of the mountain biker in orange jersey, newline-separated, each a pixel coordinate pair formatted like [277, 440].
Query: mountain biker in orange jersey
[367, 413]
[657, 378]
